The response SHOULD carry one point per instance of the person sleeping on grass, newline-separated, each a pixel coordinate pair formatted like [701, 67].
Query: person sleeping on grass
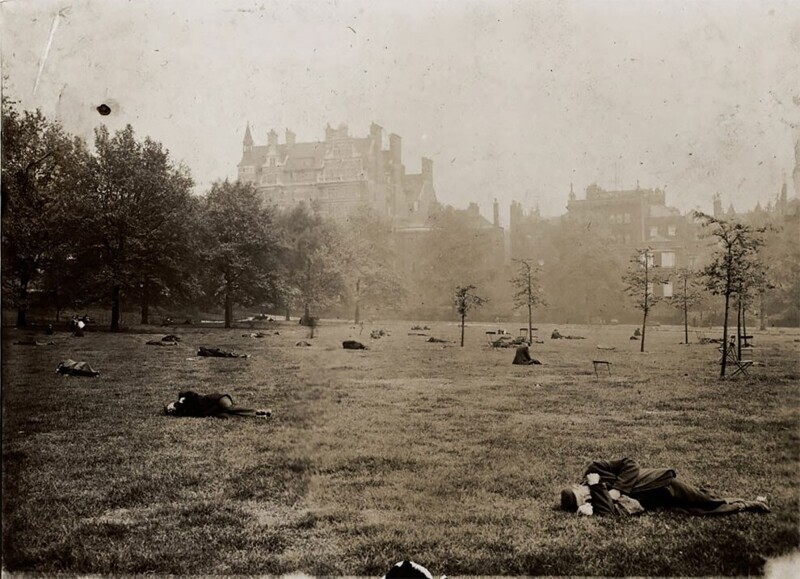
[622, 487]
[218, 405]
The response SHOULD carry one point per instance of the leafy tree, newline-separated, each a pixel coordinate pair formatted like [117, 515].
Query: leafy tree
[687, 296]
[167, 257]
[782, 252]
[312, 264]
[465, 300]
[726, 274]
[44, 170]
[582, 273]
[639, 280]
[136, 215]
[239, 248]
[369, 262]
[528, 292]
[752, 281]
[456, 250]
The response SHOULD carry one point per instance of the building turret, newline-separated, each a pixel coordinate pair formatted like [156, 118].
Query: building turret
[717, 206]
[272, 138]
[247, 143]
[783, 200]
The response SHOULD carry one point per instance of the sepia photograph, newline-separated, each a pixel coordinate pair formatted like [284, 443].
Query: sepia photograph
[400, 289]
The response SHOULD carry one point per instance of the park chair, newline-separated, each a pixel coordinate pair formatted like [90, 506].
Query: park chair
[739, 366]
[597, 363]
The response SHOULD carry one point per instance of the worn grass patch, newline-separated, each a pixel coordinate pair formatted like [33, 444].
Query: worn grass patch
[450, 456]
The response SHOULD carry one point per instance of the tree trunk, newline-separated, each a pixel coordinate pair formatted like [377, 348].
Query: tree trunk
[228, 306]
[463, 316]
[644, 329]
[116, 301]
[762, 307]
[530, 325]
[685, 324]
[146, 301]
[356, 316]
[724, 361]
[744, 328]
[22, 307]
[739, 328]
[288, 315]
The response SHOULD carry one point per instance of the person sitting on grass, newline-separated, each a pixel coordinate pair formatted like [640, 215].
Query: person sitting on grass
[621, 487]
[196, 405]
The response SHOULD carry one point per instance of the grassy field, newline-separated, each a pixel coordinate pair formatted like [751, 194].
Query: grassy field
[449, 456]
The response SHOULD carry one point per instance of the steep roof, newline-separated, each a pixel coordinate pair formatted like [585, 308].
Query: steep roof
[295, 156]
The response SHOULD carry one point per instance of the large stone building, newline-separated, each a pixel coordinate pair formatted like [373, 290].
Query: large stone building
[339, 174]
[640, 218]
[629, 219]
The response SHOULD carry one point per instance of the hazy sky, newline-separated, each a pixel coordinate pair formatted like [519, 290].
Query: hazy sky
[512, 100]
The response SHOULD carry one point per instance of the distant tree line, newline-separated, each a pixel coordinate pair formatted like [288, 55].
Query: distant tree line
[118, 225]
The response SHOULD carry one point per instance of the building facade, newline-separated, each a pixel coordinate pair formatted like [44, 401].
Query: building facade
[339, 174]
[638, 219]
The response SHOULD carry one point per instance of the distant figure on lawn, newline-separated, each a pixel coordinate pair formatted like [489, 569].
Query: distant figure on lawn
[523, 357]
[196, 405]
[409, 570]
[70, 367]
[218, 353]
[621, 487]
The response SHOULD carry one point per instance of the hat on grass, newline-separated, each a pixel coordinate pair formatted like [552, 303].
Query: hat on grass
[408, 570]
[573, 497]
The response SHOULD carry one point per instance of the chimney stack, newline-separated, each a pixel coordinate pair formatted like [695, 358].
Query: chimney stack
[395, 148]
[427, 169]
[290, 137]
[496, 220]
[272, 137]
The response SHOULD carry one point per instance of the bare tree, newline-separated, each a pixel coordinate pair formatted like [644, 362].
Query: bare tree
[528, 292]
[639, 280]
[726, 274]
[687, 297]
[465, 300]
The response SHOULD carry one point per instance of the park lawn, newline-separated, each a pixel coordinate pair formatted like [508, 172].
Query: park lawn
[450, 456]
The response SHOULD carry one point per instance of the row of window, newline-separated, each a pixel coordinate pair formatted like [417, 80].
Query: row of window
[667, 259]
[672, 231]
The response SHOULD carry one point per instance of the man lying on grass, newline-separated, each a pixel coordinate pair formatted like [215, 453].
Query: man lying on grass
[621, 487]
[218, 405]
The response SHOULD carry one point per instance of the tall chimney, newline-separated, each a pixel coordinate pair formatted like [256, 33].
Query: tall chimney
[395, 148]
[290, 137]
[496, 220]
[427, 169]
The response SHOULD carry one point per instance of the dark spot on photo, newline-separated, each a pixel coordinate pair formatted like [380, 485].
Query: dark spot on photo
[104, 110]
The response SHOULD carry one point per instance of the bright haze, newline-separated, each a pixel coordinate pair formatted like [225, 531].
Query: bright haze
[511, 100]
